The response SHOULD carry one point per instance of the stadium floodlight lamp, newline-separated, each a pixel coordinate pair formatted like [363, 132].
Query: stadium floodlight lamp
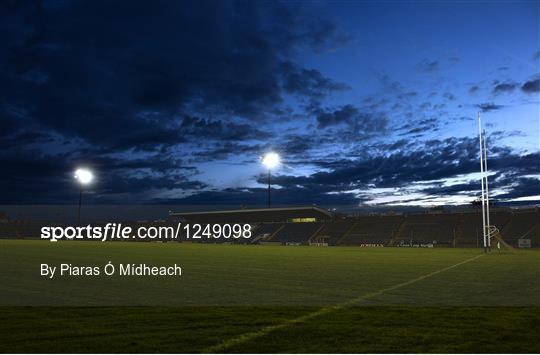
[84, 176]
[271, 160]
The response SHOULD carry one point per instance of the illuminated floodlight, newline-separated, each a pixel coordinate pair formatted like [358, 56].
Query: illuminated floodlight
[84, 176]
[271, 160]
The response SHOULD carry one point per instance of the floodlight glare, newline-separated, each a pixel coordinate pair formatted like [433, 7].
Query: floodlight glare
[84, 176]
[271, 160]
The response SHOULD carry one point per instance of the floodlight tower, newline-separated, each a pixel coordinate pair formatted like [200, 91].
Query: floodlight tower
[83, 177]
[270, 160]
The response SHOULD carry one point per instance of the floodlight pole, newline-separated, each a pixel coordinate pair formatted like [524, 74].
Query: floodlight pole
[482, 176]
[269, 188]
[80, 203]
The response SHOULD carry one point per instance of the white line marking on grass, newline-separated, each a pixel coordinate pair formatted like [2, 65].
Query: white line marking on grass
[266, 330]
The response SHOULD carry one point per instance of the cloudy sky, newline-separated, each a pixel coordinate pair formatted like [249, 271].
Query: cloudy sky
[369, 104]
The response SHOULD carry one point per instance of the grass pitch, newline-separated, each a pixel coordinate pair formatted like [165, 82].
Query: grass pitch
[234, 298]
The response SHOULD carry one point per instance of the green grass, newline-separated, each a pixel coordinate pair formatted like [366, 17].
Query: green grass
[270, 299]
[193, 329]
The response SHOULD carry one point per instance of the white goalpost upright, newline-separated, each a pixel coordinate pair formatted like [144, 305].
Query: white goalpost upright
[482, 178]
[488, 224]
[487, 231]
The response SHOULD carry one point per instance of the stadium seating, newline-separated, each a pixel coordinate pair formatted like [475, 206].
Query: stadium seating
[523, 224]
[534, 236]
[265, 231]
[372, 230]
[463, 229]
[512, 224]
[332, 231]
[470, 230]
[21, 230]
[428, 228]
[296, 232]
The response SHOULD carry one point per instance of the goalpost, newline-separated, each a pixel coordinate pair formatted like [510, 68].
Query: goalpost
[488, 231]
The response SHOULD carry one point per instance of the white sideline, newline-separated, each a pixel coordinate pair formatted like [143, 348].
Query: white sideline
[266, 330]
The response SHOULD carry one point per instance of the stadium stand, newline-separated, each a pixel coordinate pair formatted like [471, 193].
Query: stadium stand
[332, 231]
[314, 226]
[296, 233]
[372, 230]
[255, 215]
[19, 229]
[522, 224]
[534, 236]
[428, 228]
[470, 230]
[266, 231]
[512, 224]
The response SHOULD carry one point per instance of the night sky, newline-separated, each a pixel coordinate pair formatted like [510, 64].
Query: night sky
[173, 102]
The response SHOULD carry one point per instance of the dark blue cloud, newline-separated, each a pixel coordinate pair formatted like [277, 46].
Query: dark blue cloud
[309, 83]
[531, 86]
[141, 66]
[356, 121]
[473, 89]
[489, 106]
[427, 66]
[151, 95]
[504, 87]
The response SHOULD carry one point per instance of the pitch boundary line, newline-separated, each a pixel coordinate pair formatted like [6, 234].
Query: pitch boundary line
[325, 310]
